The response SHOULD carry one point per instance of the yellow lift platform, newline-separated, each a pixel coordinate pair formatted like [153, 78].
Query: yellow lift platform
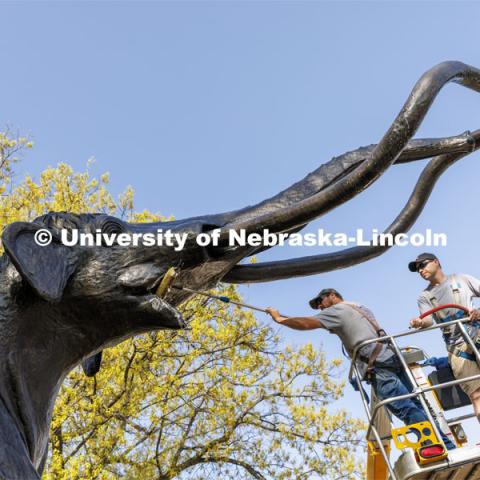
[424, 456]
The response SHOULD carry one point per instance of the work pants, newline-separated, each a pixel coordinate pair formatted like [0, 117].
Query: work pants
[389, 380]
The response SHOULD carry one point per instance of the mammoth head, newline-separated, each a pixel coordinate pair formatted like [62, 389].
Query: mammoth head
[104, 290]
[104, 282]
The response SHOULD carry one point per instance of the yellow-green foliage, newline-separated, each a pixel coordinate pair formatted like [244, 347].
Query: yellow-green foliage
[223, 399]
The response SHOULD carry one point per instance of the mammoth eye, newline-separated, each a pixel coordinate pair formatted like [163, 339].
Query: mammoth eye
[112, 226]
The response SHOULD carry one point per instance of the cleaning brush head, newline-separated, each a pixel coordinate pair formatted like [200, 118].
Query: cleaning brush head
[166, 282]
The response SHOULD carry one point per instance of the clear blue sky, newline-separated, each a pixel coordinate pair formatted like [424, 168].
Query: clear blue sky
[208, 106]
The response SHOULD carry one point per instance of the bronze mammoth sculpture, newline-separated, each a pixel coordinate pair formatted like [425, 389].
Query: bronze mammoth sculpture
[62, 304]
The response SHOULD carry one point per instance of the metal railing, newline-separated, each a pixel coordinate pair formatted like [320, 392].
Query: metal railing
[417, 391]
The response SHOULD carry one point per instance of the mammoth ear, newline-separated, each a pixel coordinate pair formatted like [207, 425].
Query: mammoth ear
[46, 268]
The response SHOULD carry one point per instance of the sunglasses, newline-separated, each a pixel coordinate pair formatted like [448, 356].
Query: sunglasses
[320, 299]
[423, 264]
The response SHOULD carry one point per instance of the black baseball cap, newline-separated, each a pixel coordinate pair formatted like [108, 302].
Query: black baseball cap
[323, 293]
[412, 266]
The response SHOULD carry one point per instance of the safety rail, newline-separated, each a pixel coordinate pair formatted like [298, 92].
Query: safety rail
[417, 391]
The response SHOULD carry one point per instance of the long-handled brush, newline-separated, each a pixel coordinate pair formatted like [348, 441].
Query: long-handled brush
[167, 283]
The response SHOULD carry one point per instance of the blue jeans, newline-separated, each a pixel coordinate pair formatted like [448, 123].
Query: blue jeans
[391, 382]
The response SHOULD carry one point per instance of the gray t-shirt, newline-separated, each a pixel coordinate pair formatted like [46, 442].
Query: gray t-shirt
[352, 328]
[457, 288]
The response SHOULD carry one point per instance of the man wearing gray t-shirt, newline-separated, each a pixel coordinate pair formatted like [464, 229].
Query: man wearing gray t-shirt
[354, 324]
[459, 289]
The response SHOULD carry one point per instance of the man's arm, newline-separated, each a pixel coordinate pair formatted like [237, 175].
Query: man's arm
[423, 306]
[297, 323]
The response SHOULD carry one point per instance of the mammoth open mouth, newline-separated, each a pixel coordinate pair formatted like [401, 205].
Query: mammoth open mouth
[141, 283]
